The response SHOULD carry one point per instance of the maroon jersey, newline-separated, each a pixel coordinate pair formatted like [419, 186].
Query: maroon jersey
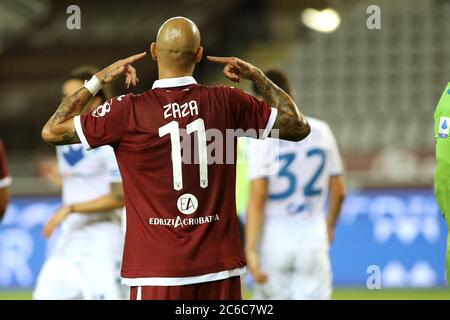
[179, 176]
[5, 179]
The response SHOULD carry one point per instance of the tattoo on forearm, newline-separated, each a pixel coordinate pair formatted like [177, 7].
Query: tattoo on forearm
[290, 120]
[106, 76]
[289, 127]
[71, 106]
[70, 138]
[268, 89]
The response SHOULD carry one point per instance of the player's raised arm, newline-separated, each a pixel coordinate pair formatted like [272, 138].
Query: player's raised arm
[290, 121]
[60, 128]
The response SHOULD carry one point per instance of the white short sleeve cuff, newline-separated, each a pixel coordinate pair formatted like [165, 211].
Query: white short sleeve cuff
[5, 182]
[270, 123]
[80, 133]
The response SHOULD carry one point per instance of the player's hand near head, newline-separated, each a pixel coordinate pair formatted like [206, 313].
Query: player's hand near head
[235, 68]
[55, 220]
[122, 66]
[60, 128]
[290, 122]
[254, 267]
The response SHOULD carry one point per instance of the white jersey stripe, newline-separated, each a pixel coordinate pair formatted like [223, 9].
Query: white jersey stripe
[171, 281]
[5, 182]
[79, 129]
[139, 293]
[270, 123]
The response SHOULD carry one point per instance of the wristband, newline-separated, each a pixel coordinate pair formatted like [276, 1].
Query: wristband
[94, 85]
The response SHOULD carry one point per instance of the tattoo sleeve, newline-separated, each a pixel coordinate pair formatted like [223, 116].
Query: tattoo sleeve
[69, 138]
[290, 121]
[56, 128]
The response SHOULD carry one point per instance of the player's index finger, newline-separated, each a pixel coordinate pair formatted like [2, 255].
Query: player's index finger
[223, 60]
[135, 57]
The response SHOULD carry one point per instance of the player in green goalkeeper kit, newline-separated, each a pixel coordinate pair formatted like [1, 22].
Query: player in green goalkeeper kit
[442, 173]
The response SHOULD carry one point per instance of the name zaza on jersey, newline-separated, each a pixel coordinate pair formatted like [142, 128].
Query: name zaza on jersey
[179, 111]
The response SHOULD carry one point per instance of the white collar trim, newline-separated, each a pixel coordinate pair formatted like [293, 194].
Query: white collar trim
[174, 82]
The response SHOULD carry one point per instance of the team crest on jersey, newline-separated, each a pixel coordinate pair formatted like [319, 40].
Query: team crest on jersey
[444, 124]
[187, 203]
[102, 110]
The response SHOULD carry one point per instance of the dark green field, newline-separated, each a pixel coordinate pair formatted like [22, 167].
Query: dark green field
[339, 294]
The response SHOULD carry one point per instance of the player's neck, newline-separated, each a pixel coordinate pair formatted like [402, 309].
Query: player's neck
[166, 73]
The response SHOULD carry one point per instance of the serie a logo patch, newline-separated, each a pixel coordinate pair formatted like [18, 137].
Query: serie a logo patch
[444, 124]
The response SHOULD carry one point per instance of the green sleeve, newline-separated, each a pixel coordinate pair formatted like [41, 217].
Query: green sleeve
[442, 127]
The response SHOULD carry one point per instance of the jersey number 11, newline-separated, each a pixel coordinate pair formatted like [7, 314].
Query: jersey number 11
[173, 129]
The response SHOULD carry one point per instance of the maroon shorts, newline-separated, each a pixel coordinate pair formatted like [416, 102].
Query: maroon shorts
[227, 289]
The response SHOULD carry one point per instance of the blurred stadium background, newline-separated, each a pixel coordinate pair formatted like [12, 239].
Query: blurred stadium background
[376, 88]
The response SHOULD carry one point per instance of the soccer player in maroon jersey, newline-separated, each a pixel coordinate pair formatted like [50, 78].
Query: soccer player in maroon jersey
[5, 180]
[182, 239]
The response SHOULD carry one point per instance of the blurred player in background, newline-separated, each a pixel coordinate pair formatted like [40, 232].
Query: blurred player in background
[442, 172]
[85, 263]
[286, 231]
[182, 238]
[5, 180]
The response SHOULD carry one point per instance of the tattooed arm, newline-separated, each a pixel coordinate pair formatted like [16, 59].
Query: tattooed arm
[60, 128]
[290, 121]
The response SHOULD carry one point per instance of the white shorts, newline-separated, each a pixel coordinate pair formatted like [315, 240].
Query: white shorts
[295, 274]
[89, 278]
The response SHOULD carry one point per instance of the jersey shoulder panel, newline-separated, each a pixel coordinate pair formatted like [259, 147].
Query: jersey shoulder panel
[322, 129]
[107, 151]
[318, 124]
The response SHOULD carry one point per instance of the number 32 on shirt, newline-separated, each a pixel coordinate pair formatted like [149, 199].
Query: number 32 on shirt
[310, 188]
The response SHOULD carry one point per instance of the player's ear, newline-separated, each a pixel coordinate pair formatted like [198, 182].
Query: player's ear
[198, 54]
[153, 51]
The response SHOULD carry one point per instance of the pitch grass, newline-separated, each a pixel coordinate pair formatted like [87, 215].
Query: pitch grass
[338, 294]
[15, 295]
[391, 294]
[385, 294]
